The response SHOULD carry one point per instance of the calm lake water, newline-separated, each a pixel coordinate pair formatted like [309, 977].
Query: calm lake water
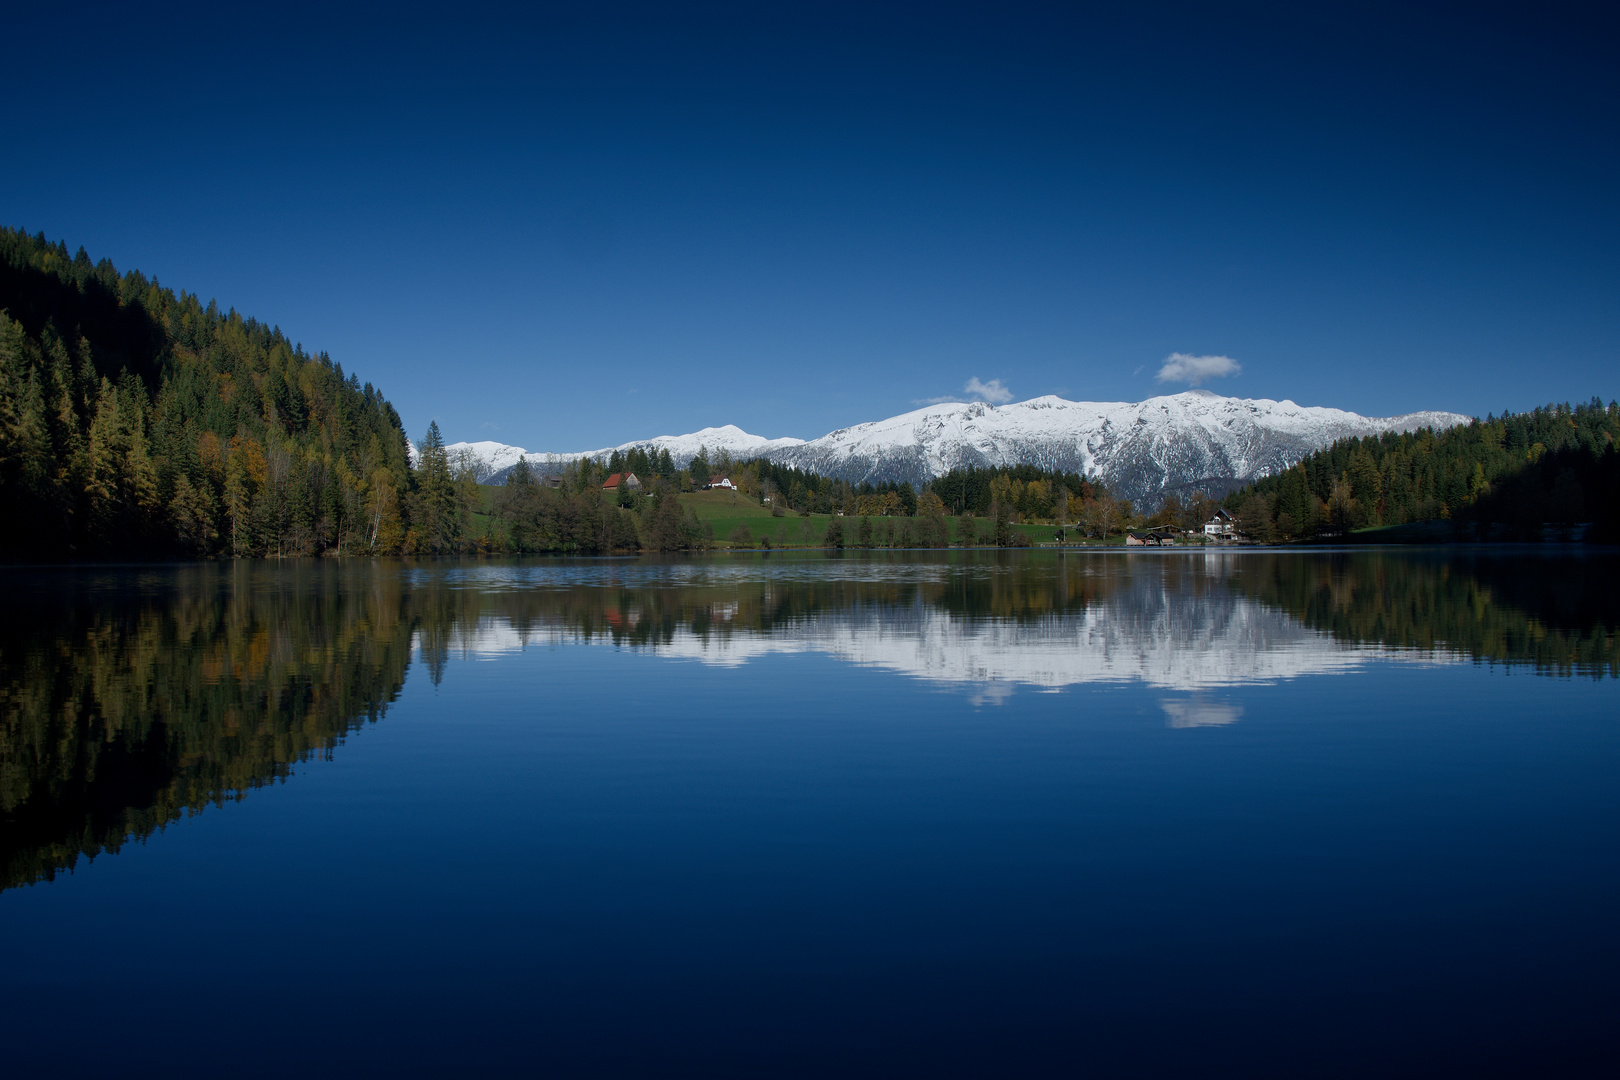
[1032, 813]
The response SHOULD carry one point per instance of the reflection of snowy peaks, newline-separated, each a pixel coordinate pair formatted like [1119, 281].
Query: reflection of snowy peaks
[1143, 634]
[1195, 439]
[1242, 643]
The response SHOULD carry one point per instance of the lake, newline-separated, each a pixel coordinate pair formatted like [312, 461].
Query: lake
[1023, 813]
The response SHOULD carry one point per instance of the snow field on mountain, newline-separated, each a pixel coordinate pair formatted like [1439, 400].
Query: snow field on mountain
[1141, 449]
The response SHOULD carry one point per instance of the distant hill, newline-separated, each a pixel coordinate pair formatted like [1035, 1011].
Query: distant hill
[1173, 444]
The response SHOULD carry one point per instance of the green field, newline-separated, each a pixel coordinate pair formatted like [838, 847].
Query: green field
[1416, 532]
[723, 511]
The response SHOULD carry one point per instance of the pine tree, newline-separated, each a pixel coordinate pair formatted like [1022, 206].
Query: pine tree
[26, 464]
[436, 494]
[699, 469]
[835, 533]
[1001, 511]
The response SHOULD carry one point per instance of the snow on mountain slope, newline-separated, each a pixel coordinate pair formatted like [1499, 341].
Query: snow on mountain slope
[683, 448]
[1180, 442]
[490, 461]
[485, 458]
[1195, 439]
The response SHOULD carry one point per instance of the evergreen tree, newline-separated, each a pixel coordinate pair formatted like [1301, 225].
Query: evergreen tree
[1001, 513]
[835, 533]
[699, 469]
[436, 495]
[908, 498]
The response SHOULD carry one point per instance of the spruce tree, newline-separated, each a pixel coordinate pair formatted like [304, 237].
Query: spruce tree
[436, 493]
[835, 533]
[699, 469]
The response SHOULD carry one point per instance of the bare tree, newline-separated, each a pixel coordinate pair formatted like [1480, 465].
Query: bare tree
[1102, 515]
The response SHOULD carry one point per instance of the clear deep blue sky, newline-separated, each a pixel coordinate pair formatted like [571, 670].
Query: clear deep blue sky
[569, 227]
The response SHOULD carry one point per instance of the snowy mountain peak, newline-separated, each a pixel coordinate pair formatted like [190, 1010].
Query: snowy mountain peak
[1195, 439]
[490, 461]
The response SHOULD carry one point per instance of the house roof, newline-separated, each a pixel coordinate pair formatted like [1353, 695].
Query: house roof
[614, 480]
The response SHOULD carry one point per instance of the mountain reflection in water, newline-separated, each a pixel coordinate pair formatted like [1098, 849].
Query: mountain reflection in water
[134, 697]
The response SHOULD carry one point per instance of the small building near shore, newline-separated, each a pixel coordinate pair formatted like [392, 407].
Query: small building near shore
[1222, 524]
[1162, 536]
[1223, 528]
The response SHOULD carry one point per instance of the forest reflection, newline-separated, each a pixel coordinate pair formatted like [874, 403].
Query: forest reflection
[1557, 614]
[132, 698]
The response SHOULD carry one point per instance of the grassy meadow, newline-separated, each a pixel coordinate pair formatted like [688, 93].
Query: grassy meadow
[723, 511]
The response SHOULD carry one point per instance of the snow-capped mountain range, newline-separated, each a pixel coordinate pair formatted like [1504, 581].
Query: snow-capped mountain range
[491, 461]
[1195, 440]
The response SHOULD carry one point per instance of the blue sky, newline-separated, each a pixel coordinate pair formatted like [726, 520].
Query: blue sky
[569, 227]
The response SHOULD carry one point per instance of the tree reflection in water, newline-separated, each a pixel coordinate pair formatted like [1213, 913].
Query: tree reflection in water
[134, 697]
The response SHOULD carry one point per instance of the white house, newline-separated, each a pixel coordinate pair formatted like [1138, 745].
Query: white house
[1223, 526]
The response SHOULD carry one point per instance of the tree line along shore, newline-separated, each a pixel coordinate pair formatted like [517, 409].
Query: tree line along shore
[138, 422]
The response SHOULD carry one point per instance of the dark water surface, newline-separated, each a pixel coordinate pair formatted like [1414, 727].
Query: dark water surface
[1013, 814]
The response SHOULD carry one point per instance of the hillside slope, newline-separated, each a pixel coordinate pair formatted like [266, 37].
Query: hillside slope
[135, 421]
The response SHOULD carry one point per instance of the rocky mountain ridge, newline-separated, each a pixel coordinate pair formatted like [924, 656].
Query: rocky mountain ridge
[1194, 440]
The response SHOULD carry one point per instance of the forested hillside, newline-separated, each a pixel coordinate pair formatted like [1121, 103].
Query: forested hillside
[1507, 477]
[138, 422]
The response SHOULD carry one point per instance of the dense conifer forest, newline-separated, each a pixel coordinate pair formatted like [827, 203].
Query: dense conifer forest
[137, 422]
[1553, 471]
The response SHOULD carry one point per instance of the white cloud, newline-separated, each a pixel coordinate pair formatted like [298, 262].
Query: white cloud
[991, 391]
[973, 390]
[1192, 370]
